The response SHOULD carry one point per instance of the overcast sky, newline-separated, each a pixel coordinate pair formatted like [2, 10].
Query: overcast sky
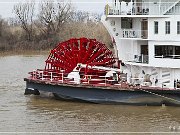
[6, 6]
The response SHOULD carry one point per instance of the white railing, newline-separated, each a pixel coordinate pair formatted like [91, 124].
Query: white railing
[168, 56]
[133, 11]
[135, 34]
[137, 58]
[150, 8]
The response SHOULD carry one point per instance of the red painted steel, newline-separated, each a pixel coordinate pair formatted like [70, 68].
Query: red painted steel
[93, 57]
[66, 55]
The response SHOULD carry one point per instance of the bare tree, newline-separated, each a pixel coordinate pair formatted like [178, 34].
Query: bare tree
[46, 16]
[53, 14]
[25, 13]
[80, 16]
[63, 14]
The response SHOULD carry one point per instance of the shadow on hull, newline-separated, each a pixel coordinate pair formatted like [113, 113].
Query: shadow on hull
[69, 99]
[98, 95]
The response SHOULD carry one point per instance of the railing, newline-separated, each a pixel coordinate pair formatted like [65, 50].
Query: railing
[143, 8]
[141, 59]
[168, 56]
[111, 78]
[133, 11]
[50, 75]
[137, 58]
[135, 34]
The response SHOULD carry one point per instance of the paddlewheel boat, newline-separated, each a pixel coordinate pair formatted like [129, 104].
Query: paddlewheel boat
[86, 70]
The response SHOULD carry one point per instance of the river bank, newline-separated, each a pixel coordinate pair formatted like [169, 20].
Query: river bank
[24, 53]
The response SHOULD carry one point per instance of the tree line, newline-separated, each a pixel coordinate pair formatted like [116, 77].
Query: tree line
[42, 27]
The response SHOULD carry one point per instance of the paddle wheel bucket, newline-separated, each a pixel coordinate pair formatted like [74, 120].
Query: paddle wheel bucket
[66, 55]
[83, 55]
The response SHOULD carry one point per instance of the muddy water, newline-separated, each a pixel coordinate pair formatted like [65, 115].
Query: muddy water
[19, 113]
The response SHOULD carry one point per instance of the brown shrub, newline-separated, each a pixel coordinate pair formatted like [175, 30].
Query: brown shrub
[88, 30]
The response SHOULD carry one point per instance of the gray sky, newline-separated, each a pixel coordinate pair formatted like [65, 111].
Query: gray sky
[6, 6]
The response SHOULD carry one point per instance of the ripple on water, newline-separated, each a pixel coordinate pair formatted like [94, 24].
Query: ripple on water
[41, 113]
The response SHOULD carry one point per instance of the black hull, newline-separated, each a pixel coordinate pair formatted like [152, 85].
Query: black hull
[106, 95]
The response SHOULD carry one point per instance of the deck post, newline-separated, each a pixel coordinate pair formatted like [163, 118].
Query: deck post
[51, 76]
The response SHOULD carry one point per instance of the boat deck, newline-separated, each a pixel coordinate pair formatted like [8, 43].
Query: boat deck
[118, 86]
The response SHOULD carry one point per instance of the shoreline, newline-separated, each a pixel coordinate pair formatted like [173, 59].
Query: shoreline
[24, 52]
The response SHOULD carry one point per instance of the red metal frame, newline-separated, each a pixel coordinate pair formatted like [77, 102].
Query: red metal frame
[66, 55]
[90, 54]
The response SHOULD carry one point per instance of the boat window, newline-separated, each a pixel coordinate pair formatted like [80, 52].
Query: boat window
[126, 23]
[167, 51]
[156, 27]
[168, 27]
[177, 50]
[113, 23]
[178, 27]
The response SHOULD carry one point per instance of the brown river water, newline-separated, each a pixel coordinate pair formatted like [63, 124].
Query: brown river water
[42, 114]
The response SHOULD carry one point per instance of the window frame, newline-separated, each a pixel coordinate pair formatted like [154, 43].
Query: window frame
[167, 51]
[126, 23]
[178, 27]
[156, 27]
[167, 27]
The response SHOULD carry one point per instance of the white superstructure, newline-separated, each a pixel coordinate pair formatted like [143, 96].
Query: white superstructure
[147, 39]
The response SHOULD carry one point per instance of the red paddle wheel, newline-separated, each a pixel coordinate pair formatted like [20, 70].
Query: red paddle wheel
[66, 56]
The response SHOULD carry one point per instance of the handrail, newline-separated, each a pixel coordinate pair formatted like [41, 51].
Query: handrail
[135, 34]
[140, 8]
[137, 58]
[168, 56]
